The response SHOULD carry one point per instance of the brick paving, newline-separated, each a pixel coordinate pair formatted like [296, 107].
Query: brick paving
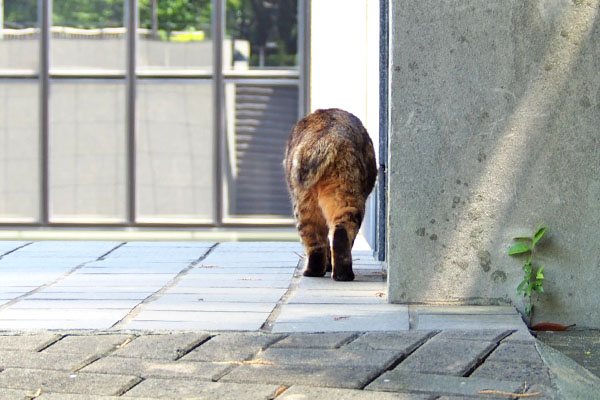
[223, 365]
[199, 320]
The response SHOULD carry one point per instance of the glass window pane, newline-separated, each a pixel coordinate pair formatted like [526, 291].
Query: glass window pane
[259, 120]
[175, 35]
[19, 151]
[87, 151]
[88, 35]
[19, 35]
[175, 151]
[261, 34]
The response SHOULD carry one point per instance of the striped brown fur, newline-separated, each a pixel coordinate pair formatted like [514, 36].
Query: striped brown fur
[330, 170]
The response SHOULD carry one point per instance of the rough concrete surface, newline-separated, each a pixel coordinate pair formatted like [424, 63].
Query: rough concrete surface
[495, 109]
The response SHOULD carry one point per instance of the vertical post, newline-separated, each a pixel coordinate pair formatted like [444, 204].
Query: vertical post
[1, 19]
[304, 56]
[155, 19]
[218, 33]
[44, 21]
[131, 24]
[383, 128]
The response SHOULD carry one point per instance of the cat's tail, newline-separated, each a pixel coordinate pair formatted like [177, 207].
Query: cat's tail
[309, 165]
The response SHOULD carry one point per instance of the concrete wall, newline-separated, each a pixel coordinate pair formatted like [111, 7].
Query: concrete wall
[494, 128]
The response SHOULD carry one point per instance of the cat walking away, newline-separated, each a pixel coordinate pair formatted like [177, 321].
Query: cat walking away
[330, 170]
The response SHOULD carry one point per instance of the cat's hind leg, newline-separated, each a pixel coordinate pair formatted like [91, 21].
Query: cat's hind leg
[313, 230]
[344, 211]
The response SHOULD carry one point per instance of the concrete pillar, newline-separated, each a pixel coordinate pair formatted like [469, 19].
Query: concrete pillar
[495, 128]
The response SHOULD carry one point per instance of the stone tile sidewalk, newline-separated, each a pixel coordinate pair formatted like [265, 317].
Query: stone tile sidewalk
[191, 320]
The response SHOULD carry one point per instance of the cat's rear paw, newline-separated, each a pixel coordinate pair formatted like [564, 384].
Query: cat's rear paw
[346, 275]
[317, 263]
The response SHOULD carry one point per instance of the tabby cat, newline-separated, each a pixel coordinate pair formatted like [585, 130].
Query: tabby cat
[330, 170]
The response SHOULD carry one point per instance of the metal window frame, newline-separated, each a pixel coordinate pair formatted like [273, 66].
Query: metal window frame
[45, 75]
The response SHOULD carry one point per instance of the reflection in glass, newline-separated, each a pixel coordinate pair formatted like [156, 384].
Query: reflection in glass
[19, 35]
[87, 151]
[261, 34]
[88, 35]
[175, 151]
[19, 151]
[175, 35]
[259, 120]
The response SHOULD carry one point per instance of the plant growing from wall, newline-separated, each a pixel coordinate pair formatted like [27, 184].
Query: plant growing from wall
[533, 277]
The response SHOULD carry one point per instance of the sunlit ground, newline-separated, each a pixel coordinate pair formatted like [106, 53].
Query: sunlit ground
[228, 235]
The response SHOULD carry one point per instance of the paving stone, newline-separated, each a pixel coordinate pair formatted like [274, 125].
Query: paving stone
[243, 270]
[190, 389]
[448, 357]
[47, 318]
[27, 342]
[405, 342]
[198, 320]
[545, 392]
[232, 347]
[158, 368]
[13, 394]
[15, 291]
[171, 244]
[381, 359]
[117, 280]
[326, 296]
[10, 245]
[70, 396]
[56, 324]
[489, 335]
[240, 262]
[162, 347]
[514, 352]
[230, 281]
[482, 396]
[208, 277]
[66, 382]
[72, 248]
[350, 377]
[315, 393]
[315, 340]
[154, 268]
[330, 284]
[404, 381]
[138, 264]
[262, 247]
[464, 310]
[266, 295]
[168, 303]
[518, 370]
[470, 322]
[341, 318]
[25, 278]
[55, 304]
[159, 253]
[581, 346]
[52, 293]
[89, 344]
[54, 261]
[520, 336]
[43, 360]
[218, 258]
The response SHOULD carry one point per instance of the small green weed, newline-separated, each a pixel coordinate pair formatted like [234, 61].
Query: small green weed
[533, 277]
